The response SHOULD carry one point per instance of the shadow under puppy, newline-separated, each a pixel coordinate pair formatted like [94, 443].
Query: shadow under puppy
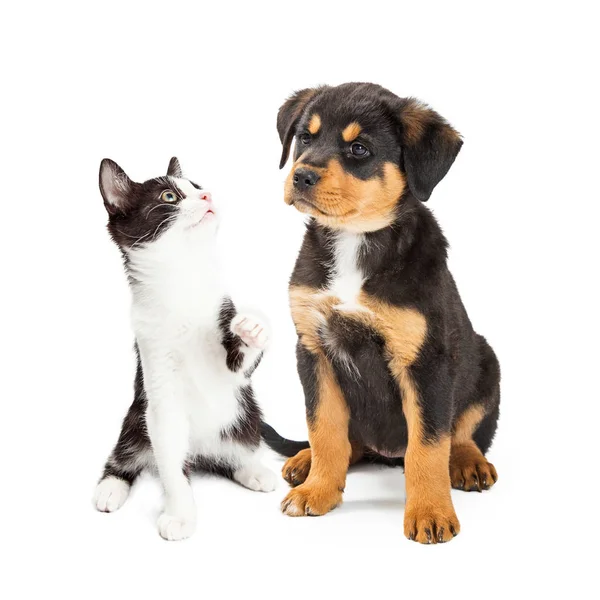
[387, 356]
[193, 405]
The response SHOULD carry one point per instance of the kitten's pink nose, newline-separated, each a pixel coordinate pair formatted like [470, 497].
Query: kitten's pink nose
[206, 196]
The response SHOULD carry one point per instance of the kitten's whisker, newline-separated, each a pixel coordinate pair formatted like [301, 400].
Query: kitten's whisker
[133, 237]
[154, 233]
[139, 240]
[158, 206]
[168, 219]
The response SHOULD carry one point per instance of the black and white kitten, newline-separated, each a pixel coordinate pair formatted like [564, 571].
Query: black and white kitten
[193, 406]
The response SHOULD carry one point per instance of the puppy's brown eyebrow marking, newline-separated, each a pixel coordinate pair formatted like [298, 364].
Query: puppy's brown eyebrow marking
[351, 132]
[314, 124]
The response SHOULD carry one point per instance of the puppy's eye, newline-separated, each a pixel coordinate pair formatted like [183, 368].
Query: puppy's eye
[305, 138]
[359, 150]
[168, 196]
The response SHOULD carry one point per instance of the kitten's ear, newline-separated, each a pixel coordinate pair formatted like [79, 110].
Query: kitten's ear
[174, 169]
[288, 116]
[115, 186]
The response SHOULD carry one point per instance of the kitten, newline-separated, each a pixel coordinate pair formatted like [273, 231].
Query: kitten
[193, 404]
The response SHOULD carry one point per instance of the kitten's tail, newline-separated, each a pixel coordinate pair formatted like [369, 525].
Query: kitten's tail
[280, 444]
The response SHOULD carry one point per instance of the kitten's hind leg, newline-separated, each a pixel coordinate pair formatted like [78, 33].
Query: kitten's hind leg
[129, 457]
[111, 493]
[252, 474]
[255, 476]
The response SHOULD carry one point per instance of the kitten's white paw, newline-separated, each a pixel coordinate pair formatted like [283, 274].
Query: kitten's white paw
[111, 494]
[175, 528]
[256, 477]
[251, 329]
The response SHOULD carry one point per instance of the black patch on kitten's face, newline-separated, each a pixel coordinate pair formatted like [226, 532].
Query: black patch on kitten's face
[147, 216]
[138, 212]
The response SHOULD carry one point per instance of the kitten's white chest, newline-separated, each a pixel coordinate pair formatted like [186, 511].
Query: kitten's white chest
[346, 279]
[207, 387]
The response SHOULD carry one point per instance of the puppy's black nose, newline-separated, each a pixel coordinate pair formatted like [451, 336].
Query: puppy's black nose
[304, 179]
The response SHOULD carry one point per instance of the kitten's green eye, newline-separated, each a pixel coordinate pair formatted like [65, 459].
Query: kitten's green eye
[168, 196]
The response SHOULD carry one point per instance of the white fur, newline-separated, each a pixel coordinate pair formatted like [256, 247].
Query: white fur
[256, 477]
[345, 283]
[251, 329]
[347, 278]
[111, 494]
[177, 297]
[174, 528]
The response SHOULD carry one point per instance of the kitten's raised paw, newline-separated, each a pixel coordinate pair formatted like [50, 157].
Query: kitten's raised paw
[111, 494]
[253, 331]
[256, 477]
[175, 528]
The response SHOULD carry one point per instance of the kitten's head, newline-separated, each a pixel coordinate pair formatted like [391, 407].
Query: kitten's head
[158, 209]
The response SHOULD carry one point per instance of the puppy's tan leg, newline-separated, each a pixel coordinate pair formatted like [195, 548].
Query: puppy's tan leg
[296, 469]
[469, 469]
[330, 457]
[429, 517]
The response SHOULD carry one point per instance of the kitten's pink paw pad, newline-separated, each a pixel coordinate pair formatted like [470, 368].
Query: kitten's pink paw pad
[252, 330]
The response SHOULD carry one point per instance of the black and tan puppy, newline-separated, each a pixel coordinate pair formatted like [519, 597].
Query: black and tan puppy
[387, 356]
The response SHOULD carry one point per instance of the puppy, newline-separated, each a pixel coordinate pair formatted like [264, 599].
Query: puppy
[387, 356]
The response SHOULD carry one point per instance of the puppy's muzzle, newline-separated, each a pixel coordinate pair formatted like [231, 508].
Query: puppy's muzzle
[305, 179]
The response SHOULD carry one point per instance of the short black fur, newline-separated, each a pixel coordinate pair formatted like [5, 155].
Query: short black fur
[404, 265]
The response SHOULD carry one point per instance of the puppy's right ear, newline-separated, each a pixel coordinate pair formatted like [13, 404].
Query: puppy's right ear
[115, 186]
[288, 116]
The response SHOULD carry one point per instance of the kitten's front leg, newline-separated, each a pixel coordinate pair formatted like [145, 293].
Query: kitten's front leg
[168, 429]
[254, 333]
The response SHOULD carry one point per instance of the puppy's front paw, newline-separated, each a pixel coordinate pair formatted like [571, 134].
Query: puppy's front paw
[430, 524]
[174, 528]
[253, 331]
[311, 500]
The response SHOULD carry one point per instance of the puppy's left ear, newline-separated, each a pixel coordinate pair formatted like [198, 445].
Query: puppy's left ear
[429, 146]
[174, 169]
[288, 116]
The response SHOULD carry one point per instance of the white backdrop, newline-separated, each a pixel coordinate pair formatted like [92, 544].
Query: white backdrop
[141, 82]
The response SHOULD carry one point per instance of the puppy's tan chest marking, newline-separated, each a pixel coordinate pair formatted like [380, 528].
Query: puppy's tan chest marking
[403, 329]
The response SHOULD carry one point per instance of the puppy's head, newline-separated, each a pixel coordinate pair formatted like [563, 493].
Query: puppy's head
[358, 150]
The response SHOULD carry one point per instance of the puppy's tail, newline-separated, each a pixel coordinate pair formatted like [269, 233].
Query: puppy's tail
[279, 443]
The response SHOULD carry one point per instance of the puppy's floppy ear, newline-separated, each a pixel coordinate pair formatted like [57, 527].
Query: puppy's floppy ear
[174, 169]
[288, 116]
[429, 146]
[115, 186]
